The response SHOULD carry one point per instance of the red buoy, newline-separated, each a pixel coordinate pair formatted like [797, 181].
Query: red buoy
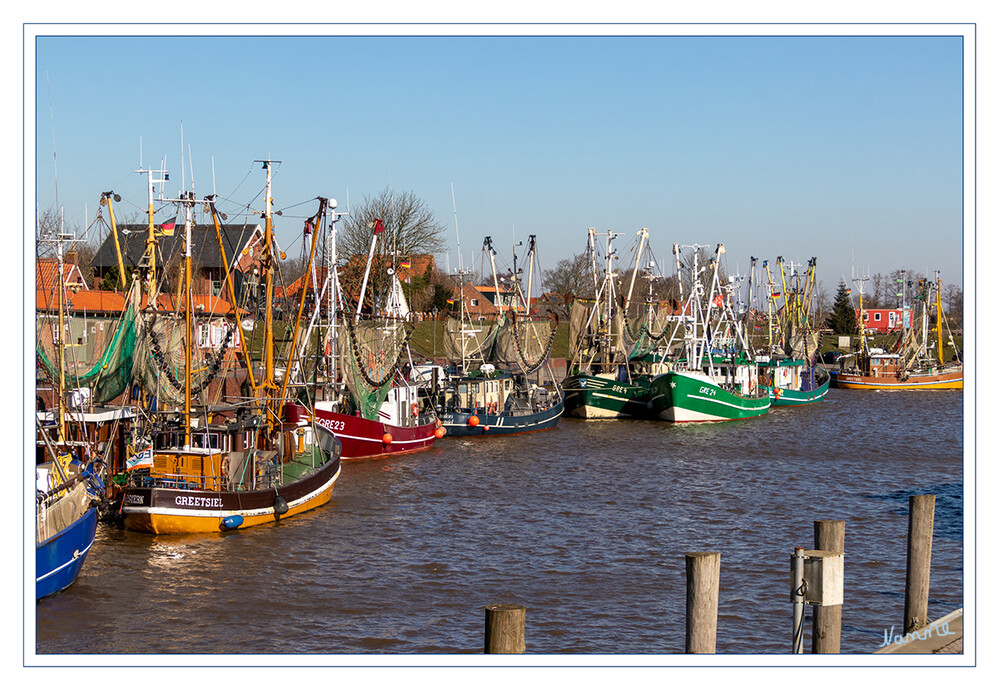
[387, 438]
[439, 432]
[473, 421]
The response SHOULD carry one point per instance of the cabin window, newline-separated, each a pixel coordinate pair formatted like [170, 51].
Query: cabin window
[475, 302]
[877, 316]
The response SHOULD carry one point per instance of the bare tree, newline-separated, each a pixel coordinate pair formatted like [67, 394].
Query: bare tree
[953, 297]
[572, 276]
[410, 226]
[878, 291]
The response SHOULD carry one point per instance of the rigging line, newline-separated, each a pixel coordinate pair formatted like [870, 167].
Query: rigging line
[300, 203]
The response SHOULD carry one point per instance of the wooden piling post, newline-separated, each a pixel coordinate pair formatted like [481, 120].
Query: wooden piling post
[703, 569]
[917, 566]
[830, 535]
[505, 629]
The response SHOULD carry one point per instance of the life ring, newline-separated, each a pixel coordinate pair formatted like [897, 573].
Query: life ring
[225, 466]
[416, 410]
[492, 407]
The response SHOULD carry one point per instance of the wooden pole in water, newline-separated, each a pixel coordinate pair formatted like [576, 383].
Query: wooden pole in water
[505, 629]
[830, 535]
[703, 569]
[917, 576]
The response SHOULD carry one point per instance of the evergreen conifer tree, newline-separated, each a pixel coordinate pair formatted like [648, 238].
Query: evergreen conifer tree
[843, 319]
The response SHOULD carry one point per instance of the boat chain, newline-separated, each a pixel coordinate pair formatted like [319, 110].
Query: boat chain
[643, 330]
[213, 369]
[360, 365]
[531, 368]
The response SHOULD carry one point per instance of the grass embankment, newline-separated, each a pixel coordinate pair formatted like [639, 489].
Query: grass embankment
[428, 339]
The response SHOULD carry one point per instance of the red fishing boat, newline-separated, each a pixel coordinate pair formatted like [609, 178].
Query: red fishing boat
[400, 427]
[353, 376]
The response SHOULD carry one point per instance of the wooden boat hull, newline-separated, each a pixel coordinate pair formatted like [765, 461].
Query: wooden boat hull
[941, 380]
[163, 509]
[594, 397]
[677, 396]
[365, 438]
[456, 422]
[59, 559]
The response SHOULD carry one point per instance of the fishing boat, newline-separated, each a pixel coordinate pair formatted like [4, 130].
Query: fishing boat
[67, 496]
[608, 373]
[225, 467]
[715, 378]
[791, 372]
[68, 489]
[792, 382]
[353, 375]
[910, 364]
[487, 390]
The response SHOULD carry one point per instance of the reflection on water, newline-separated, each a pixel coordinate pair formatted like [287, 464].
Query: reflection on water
[586, 525]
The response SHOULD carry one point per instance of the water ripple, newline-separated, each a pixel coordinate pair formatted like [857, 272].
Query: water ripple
[586, 525]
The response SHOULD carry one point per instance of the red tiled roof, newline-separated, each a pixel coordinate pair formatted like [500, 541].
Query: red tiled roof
[295, 288]
[47, 274]
[351, 274]
[107, 302]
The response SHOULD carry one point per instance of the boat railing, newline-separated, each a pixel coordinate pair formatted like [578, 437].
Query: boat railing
[186, 482]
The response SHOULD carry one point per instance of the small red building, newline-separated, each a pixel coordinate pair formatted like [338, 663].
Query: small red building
[886, 320]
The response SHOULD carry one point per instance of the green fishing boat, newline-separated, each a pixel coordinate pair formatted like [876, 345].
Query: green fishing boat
[609, 370]
[792, 382]
[715, 378]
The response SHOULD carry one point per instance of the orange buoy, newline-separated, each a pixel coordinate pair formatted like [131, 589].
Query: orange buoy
[473, 421]
[387, 438]
[439, 432]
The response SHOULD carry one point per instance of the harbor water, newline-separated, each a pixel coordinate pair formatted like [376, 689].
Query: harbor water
[586, 525]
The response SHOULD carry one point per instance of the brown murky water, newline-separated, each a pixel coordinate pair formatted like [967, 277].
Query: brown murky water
[586, 525]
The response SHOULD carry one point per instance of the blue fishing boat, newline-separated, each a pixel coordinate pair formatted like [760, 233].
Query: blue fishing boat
[65, 522]
[487, 389]
[473, 405]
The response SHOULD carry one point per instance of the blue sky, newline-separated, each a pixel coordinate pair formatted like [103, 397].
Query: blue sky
[849, 149]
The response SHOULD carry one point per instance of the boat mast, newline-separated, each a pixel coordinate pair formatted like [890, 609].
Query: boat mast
[940, 352]
[232, 291]
[335, 297]
[771, 306]
[378, 228]
[61, 351]
[267, 385]
[530, 270]
[188, 308]
[750, 295]
[607, 335]
[591, 247]
[301, 304]
[643, 236]
[151, 238]
[106, 199]
[487, 244]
